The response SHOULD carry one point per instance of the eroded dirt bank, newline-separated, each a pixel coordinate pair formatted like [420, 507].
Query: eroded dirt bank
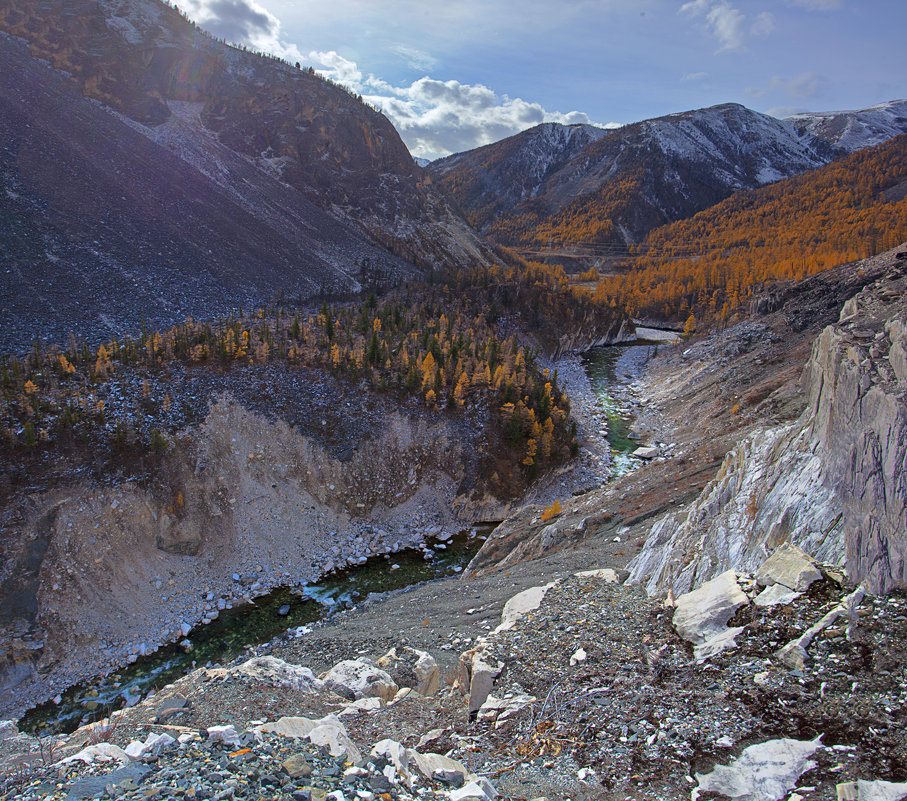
[97, 572]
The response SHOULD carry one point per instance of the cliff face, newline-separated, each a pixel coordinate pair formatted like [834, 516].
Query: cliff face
[833, 482]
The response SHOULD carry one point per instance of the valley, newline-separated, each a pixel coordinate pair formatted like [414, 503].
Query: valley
[566, 468]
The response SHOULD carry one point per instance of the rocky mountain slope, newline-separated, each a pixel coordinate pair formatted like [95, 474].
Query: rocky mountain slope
[853, 130]
[831, 481]
[620, 184]
[584, 690]
[166, 174]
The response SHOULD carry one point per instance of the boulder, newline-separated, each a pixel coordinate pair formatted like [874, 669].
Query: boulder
[606, 574]
[763, 772]
[522, 604]
[327, 731]
[478, 790]
[871, 791]
[436, 767]
[274, 671]
[154, 744]
[789, 567]
[358, 678]
[410, 667]
[223, 734]
[477, 676]
[101, 752]
[701, 616]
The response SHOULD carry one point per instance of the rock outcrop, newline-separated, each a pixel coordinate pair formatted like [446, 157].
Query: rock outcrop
[831, 483]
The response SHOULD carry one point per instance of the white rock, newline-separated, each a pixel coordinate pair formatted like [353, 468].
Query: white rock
[360, 705]
[776, 594]
[102, 752]
[521, 604]
[578, 657]
[871, 791]
[646, 453]
[606, 574]
[789, 566]
[401, 662]
[328, 731]
[480, 790]
[393, 752]
[500, 709]
[763, 772]
[275, 671]
[154, 744]
[356, 678]
[223, 734]
[436, 766]
[8, 729]
[703, 614]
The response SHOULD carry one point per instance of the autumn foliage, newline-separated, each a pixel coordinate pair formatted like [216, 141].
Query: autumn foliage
[709, 264]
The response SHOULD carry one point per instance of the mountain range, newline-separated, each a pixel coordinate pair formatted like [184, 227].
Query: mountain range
[556, 185]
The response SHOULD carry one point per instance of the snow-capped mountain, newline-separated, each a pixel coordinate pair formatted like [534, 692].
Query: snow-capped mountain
[854, 130]
[547, 185]
[516, 168]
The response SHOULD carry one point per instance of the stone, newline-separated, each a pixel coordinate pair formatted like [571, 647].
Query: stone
[327, 731]
[392, 751]
[646, 452]
[521, 604]
[578, 657]
[101, 752]
[410, 667]
[125, 778]
[154, 744]
[284, 610]
[8, 729]
[360, 705]
[478, 790]
[871, 791]
[763, 772]
[297, 767]
[437, 767]
[703, 614]
[477, 676]
[224, 734]
[774, 595]
[274, 671]
[356, 678]
[790, 567]
[606, 574]
[499, 709]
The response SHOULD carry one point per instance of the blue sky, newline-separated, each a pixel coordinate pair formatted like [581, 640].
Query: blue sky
[458, 74]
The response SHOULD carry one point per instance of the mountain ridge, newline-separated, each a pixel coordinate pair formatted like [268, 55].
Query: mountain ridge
[623, 183]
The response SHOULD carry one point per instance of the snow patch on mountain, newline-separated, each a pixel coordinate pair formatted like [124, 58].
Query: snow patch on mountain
[853, 130]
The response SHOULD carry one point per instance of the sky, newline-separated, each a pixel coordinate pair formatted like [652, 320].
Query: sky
[458, 74]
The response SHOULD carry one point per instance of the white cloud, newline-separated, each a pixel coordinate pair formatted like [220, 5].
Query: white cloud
[415, 58]
[727, 23]
[695, 76]
[434, 118]
[764, 24]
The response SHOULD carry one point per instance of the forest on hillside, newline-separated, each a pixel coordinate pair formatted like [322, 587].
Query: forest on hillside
[707, 266]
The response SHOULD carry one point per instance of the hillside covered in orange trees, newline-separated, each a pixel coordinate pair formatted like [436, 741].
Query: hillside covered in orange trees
[707, 265]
